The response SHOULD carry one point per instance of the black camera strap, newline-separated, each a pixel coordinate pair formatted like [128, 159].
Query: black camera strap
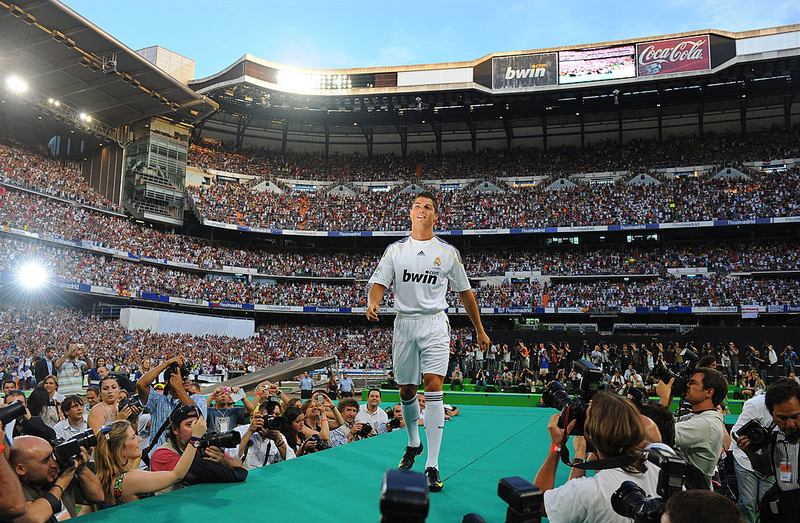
[154, 439]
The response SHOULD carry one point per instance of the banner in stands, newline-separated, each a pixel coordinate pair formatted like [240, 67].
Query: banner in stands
[522, 71]
[593, 65]
[679, 55]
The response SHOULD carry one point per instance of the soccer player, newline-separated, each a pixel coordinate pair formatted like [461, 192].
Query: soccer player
[420, 267]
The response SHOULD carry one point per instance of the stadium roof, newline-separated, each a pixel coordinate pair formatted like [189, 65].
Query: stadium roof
[65, 57]
[272, 101]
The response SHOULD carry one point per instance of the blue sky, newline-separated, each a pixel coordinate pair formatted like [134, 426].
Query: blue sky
[346, 33]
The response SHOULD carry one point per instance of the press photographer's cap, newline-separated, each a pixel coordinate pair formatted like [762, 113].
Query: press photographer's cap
[182, 413]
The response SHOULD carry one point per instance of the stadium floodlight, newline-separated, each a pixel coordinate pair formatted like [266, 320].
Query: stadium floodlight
[16, 84]
[85, 117]
[32, 275]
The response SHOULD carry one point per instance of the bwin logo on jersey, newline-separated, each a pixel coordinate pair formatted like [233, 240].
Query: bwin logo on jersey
[413, 277]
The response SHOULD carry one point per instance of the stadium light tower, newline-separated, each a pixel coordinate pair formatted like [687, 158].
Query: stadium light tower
[32, 275]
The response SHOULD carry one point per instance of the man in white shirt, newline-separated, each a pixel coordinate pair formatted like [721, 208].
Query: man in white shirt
[371, 413]
[420, 267]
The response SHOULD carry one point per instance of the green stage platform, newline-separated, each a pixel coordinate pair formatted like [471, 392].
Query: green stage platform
[481, 445]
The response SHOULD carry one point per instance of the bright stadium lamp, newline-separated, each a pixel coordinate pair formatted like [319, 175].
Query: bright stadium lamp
[16, 84]
[32, 275]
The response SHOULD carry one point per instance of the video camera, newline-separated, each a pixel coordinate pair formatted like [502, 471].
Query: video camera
[630, 501]
[65, 452]
[555, 396]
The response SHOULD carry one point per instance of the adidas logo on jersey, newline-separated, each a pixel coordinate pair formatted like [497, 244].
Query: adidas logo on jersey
[420, 253]
[413, 277]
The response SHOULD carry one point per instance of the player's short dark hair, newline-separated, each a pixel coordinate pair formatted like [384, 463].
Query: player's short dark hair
[783, 390]
[429, 195]
[690, 506]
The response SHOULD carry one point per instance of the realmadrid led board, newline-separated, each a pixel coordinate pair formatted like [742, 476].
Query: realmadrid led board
[679, 55]
[610, 63]
[528, 70]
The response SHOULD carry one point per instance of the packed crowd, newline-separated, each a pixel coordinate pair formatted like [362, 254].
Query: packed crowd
[25, 333]
[57, 220]
[74, 265]
[635, 156]
[675, 200]
[32, 167]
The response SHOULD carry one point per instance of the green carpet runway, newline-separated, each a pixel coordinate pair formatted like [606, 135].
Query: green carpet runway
[481, 445]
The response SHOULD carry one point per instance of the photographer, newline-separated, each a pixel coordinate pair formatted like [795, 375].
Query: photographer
[779, 458]
[48, 489]
[701, 434]
[348, 431]
[261, 445]
[215, 467]
[752, 486]
[370, 413]
[12, 499]
[108, 409]
[396, 421]
[615, 430]
[160, 406]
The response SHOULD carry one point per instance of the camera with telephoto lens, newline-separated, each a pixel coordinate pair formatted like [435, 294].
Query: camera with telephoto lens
[630, 501]
[756, 434]
[555, 396]
[675, 473]
[321, 443]
[65, 452]
[395, 423]
[660, 371]
[12, 412]
[224, 441]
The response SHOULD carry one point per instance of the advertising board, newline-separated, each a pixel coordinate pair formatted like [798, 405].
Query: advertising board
[678, 55]
[529, 70]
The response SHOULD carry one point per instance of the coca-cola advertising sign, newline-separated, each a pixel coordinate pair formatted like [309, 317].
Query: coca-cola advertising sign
[673, 56]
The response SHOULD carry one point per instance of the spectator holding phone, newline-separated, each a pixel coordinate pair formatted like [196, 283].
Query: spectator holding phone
[223, 414]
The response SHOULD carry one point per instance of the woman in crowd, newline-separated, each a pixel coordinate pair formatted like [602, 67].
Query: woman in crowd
[41, 404]
[106, 412]
[143, 369]
[317, 421]
[116, 455]
[94, 377]
[293, 431]
[332, 389]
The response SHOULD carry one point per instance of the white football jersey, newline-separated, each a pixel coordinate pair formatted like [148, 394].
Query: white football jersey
[420, 272]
